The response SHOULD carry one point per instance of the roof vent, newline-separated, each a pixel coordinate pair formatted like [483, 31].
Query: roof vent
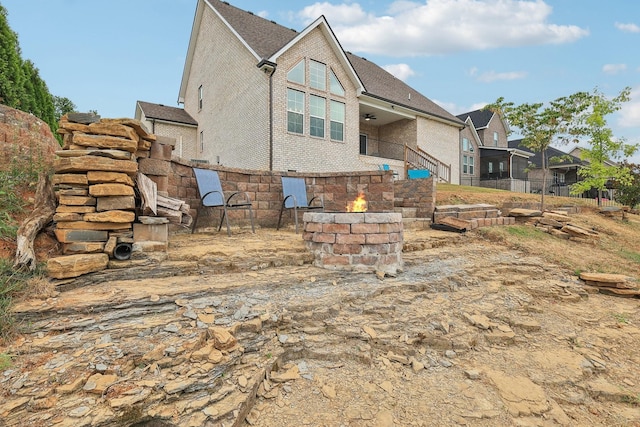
[249, 12]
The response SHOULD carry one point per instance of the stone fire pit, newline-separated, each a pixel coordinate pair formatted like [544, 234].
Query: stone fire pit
[355, 241]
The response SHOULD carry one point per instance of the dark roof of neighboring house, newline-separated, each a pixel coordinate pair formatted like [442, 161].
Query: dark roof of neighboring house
[169, 114]
[267, 37]
[551, 152]
[480, 118]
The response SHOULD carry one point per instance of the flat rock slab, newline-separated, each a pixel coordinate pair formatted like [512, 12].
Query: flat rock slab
[64, 267]
[603, 277]
[528, 213]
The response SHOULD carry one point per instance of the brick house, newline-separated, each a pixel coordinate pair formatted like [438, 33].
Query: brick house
[486, 158]
[170, 122]
[266, 97]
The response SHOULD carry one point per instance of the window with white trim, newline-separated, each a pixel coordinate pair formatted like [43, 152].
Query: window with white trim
[295, 111]
[296, 74]
[495, 139]
[337, 120]
[317, 75]
[201, 141]
[468, 160]
[334, 84]
[317, 114]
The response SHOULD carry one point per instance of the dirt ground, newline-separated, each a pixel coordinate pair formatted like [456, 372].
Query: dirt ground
[472, 332]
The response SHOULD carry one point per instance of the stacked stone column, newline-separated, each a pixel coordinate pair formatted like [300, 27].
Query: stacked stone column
[94, 181]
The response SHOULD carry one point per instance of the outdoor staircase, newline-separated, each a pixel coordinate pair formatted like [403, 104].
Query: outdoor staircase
[416, 158]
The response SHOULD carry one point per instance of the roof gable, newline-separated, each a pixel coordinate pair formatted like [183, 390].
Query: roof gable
[479, 118]
[165, 113]
[262, 37]
[267, 40]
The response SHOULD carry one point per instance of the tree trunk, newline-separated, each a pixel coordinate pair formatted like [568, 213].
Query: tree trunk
[45, 206]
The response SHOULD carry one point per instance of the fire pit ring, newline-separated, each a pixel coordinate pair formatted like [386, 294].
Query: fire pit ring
[355, 241]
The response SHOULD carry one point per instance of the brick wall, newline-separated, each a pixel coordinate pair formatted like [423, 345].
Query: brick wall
[265, 190]
[416, 193]
[441, 141]
[234, 90]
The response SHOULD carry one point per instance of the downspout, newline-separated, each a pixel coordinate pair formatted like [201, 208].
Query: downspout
[269, 67]
[153, 126]
[271, 119]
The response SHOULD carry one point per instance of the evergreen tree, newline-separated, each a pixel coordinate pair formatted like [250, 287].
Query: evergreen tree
[20, 84]
[11, 72]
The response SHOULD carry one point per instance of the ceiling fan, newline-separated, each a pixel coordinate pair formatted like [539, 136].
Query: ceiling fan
[368, 117]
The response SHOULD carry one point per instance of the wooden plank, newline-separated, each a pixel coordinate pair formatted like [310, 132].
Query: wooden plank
[171, 203]
[148, 193]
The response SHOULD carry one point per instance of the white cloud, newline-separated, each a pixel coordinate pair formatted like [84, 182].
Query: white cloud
[492, 76]
[627, 28]
[433, 27]
[629, 114]
[400, 71]
[263, 14]
[456, 109]
[614, 68]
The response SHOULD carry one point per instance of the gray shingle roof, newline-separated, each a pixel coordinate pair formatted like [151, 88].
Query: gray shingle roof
[267, 37]
[480, 118]
[381, 84]
[551, 152]
[169, 114]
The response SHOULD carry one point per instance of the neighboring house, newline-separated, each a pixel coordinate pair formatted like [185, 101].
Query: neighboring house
[577, 152]
[170, 122]
[486, 158]
[266, 97]
[562, 170]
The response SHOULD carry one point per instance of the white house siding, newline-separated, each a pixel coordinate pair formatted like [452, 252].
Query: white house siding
[234, 117]
[441, 141]
[184, 135]
[303, 152]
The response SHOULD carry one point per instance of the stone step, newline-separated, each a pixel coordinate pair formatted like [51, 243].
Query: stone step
[416, 223]
[406, 212]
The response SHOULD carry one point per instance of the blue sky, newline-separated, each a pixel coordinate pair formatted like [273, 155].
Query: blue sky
[462, 54]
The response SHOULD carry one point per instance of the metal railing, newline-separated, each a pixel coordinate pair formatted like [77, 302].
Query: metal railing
[551, 187]
[413, 158]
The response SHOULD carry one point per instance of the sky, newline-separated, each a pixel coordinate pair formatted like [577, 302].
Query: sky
[462, 54]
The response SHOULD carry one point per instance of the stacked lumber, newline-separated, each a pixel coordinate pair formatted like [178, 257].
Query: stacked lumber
[96, 176]
[611, 284]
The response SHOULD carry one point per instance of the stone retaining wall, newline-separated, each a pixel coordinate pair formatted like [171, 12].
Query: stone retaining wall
[265, 190]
